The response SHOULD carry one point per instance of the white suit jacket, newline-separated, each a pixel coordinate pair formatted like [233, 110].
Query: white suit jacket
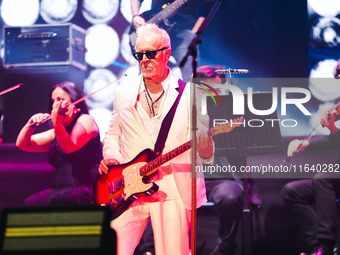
[126, 136]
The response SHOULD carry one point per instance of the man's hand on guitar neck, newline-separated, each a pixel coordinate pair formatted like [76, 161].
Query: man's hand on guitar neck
[103, 167]
[205, 145]
[138, 21]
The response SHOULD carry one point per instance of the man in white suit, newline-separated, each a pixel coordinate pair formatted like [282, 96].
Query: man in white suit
[138, 112]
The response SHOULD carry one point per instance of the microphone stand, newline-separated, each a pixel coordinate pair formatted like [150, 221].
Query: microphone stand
[192, 51]
[247, 224]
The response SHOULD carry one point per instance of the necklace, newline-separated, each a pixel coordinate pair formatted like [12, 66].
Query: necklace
[152, 111]
[153, 103]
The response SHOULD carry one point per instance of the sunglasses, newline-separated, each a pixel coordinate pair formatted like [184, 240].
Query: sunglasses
[150, 54]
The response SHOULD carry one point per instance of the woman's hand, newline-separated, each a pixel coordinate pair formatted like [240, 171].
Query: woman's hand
[37, 119]
[62, 113]
[296, 146]
[328, 120]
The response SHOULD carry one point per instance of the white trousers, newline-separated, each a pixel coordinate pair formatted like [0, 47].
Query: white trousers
[170, 223]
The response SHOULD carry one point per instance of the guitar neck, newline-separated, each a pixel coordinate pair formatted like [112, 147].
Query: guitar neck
[154, 164]
[167, 12]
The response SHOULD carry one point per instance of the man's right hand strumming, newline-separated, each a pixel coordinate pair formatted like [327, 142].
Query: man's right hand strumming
[138, 21]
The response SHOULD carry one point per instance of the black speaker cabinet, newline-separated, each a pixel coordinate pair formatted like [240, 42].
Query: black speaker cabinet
[78, 230]
[33, 96]
[44, 45]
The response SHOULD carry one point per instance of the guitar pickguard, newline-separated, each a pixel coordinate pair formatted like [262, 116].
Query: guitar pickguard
[133, 182]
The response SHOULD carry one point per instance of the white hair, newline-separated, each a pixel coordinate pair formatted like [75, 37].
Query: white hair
[152, 29]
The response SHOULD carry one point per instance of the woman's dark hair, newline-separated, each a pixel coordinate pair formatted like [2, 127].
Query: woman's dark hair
[74, 93]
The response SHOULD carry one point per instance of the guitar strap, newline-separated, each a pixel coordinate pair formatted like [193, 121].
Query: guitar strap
[166, 124]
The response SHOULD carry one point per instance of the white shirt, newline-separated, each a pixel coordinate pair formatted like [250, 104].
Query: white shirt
[164, 179]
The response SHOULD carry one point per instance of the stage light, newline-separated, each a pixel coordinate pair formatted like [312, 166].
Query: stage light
[174, 67]
[19, 12]
[99, 11]
[325, 32]
[322, 84]
[324, 8]
[125, 47]
[98, 79]
[102, 116]
[132, 73]
[58, 11]
[2, 52]
[177, 71]
[125, 10]
[102, 44]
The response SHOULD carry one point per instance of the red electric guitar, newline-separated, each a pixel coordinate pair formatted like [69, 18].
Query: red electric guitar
[126, 183]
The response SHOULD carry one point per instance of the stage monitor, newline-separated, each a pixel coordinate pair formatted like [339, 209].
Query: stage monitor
[66, 231]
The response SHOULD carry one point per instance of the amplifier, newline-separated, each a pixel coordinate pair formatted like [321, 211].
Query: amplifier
[44, 45]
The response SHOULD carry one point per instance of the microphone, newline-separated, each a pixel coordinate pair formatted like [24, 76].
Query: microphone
[229, 71]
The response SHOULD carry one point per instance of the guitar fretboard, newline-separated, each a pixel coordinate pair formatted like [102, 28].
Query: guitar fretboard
[152, 165]
[164, 158]
[167, 12]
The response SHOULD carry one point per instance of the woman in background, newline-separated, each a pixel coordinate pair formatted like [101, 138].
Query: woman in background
[73, 146]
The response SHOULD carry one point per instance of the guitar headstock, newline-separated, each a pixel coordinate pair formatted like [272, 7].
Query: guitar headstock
[227, 127]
